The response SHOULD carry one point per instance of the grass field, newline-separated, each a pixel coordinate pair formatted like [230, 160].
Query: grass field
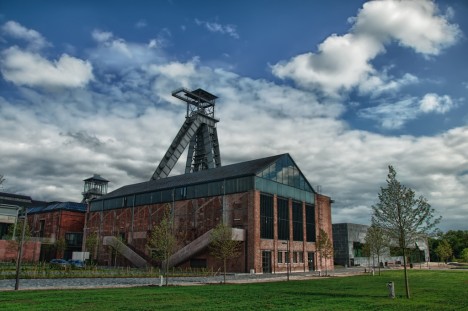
[431, 290]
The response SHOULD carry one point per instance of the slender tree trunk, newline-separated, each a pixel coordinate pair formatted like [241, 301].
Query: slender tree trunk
[224, 263]
[167, 268]
[378, 262]
[406, 275]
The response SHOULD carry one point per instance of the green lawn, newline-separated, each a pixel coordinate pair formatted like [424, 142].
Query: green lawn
[431, 290]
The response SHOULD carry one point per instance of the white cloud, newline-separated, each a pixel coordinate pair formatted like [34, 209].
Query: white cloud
[394, 115]
[101, 36]
[26, 68]
[344, 62]
[35, 40]
[435, 103]
[228, 29]
[414, 24]
[117, 53]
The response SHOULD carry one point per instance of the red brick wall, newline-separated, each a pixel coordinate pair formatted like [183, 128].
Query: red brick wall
[323, 220]
[192, 218]
[9, 251]
[56, 223]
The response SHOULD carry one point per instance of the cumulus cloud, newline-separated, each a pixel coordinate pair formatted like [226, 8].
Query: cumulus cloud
[229, 29]
[435, 103]
[31, 69]
[34, 39]
[345, 61]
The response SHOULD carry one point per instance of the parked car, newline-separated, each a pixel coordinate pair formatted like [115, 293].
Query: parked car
[59, 263]
[75, 263]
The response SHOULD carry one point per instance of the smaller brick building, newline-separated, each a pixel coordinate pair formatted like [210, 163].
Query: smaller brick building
[59, 228]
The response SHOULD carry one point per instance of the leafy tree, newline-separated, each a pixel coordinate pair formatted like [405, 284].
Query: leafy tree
[464, 255]
[325, 248]
[444, 251]
[458, 240]
[377, 241]
[402, 216]
[222, 245]
[162, 241]
[91, 243]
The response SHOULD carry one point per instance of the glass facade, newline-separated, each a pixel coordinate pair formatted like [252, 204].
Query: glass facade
[310, 223]
[266, 216]
[298, 222]
[283, 219]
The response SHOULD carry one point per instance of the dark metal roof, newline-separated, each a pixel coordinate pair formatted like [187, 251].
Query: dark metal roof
[15, 199]
[68, 206]
[249, 168]
[96, 177]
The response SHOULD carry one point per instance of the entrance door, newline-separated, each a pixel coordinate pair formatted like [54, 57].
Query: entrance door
[266, 261]
[310, 260]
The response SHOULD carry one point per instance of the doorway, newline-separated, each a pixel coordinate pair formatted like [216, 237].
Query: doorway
[310, 260]
[266, 261]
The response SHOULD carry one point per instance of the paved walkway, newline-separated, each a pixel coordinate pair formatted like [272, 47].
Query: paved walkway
[83, 283]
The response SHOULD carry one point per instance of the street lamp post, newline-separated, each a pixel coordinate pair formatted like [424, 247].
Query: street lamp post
[288, 258]
[20, 249]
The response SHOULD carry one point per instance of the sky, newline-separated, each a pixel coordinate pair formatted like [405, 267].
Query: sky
[347, 88]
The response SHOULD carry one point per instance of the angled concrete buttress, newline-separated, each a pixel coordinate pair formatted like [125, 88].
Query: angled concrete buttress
[200, 244]
[125, 251]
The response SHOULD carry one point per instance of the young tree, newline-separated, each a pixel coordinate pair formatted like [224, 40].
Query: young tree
[402, 216]
[2, 179]
[223, 246]
[444, 251]
[325, 248]
[464, 255]
[377, 242]
[91, 243]
[60, 246]
[162, 241]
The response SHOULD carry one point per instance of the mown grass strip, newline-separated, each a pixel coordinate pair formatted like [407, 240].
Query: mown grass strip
[431, 290]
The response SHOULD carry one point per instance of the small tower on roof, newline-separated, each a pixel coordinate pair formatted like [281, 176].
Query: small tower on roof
[94, 187]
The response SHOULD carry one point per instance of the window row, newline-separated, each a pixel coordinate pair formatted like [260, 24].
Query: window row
[283, 257]
[283, 221]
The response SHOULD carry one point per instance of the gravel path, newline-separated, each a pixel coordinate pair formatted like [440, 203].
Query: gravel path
[83, 283]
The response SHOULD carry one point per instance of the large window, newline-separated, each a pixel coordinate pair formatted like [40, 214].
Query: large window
[283, 219]
[310, 223]
[266, 216]
[298, 222]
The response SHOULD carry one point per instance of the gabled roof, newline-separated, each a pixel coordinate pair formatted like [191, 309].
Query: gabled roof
[243, 169]
[67, 206]
[249, 168]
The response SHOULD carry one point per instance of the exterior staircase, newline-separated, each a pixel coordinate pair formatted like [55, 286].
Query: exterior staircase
[125, 251]
[198, 245]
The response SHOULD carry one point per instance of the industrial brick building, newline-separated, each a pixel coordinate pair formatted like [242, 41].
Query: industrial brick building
[57, 223]
[268, 201]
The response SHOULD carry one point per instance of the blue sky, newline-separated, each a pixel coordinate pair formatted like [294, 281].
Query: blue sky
[346, 87]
